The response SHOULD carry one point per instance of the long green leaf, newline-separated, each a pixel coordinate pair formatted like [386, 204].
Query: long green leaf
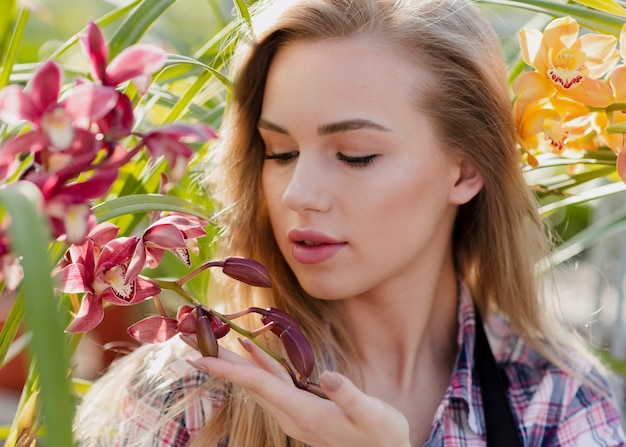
[29, 237]
[609, 6]
[589, 236]
[10, 327]
[142, 203]
[586, 196]
[11, 52]
[137, 23]
[8, 8]
[596, 20]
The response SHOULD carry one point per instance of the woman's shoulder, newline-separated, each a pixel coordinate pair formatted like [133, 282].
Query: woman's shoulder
[571, 401]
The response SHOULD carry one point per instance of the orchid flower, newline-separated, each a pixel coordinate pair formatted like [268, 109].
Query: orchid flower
[174, 233]
[171, 141]
[568, 64]
[59, 127]
[135, 63]
[102, 278]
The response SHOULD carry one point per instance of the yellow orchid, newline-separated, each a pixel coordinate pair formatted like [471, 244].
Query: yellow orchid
[559, 125]
[568, 64]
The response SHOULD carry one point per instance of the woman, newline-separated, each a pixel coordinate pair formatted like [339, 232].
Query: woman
[368, 159]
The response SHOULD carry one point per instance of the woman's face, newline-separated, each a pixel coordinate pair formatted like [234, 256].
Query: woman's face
[360, 194]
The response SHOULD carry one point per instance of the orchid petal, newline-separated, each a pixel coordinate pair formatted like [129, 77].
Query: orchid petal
[127, 295]
[532, 86]
[561, 32]
[530, 45]
[186, 320]
[134, 61]
[622, 42]
[103, 233]
[592, 93]
[90, 102]
[95, 186]
[618, 82]
[45, 86]
[15, 106]
[33, 141]
[601, 53]
[73, 278]
[137, 262]
[94, 45]
[165, 236]
[89, 315]
[118, 251]
[153, 329]
[118, 122]
[190, 226]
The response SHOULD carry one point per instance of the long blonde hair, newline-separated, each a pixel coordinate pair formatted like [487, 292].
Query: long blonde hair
[498, 236]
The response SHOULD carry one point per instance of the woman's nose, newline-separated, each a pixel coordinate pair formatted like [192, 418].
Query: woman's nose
[309, 187]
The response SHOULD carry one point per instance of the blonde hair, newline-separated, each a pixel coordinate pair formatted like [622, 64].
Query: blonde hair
[498, 237]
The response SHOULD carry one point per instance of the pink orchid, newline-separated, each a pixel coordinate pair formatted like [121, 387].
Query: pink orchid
[102, 278]
[174, 233]
[136, 62]
[171, 142]
[59, 127]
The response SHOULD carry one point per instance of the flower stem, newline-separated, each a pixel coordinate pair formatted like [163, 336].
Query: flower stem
[199, 270]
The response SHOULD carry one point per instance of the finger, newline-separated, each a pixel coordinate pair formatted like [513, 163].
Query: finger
[361, 409]
[264, 360]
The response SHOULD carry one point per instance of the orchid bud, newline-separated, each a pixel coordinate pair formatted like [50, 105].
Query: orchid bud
[299, 351]
[207, 342]
[246, 270]
[296, 345]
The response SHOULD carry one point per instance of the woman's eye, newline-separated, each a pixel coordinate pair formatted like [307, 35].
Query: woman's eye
[356, 161]
[283, 157]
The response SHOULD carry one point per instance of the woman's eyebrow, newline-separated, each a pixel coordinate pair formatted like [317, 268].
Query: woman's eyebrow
[328, 129]
[351, 124]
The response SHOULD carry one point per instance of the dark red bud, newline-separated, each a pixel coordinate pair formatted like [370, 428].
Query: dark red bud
[247, 270]
[299, 351]
[207, 342]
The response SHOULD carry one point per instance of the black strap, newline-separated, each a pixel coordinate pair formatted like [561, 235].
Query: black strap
[500, 423]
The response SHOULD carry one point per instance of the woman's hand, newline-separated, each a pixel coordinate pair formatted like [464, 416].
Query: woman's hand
[349, 418]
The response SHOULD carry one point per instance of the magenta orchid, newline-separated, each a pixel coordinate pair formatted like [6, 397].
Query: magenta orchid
[174, 233]
[59, 127]
[100, 273]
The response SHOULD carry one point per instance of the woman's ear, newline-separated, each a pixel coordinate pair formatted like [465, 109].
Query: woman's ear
[467, 185]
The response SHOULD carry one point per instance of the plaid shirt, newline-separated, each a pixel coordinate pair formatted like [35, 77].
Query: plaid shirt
[553, 408]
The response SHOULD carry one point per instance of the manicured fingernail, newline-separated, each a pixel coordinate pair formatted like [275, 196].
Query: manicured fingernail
[330, 381]
[199, 366]
[247, 344]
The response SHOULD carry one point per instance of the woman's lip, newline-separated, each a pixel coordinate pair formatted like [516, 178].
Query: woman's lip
[314, 236]
[313, 247]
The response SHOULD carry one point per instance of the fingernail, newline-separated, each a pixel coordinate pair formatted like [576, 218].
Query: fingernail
[199, 366]
[330, 381]
[247, 344]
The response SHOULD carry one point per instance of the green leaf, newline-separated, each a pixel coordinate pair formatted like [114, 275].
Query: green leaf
[11, 51]
[604, 5]
[8, 8]
[143, 203]
[594, 233]
[29, 237]
[586, 196]
[10, 327]
[136, 24]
